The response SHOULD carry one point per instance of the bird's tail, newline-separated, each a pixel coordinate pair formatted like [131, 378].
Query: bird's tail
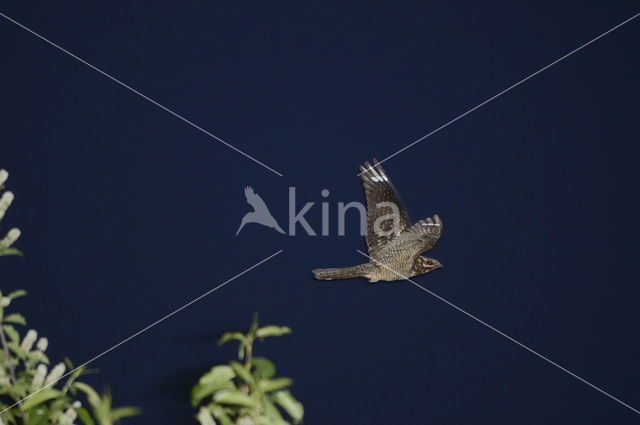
[244, 221]
[342, 273]
[278, 228]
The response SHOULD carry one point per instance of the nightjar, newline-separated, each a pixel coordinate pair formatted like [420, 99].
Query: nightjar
[395, 245]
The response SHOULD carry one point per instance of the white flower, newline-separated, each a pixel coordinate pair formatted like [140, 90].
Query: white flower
[205, 418]
[38, 378]
[77, 404]
[29, 339]
[55, 374]
[4, 175]
[42, 344]
[11, 237]
[5, 202]
[5, 301]
[68, 416]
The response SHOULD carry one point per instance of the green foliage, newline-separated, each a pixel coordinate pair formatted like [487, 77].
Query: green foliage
[246, 392]
[32, 393]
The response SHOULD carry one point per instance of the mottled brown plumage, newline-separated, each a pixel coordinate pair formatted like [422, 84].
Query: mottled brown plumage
[395, 245]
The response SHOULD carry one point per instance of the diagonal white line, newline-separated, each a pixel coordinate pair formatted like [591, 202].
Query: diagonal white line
[510, 87]
[197, 127]
[144, 330]
[499, 332]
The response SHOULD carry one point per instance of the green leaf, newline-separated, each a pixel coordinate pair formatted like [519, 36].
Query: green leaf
[10, 251]
[274, 384]
[217, 375]
[233, 397]
[271, 411]
[12, 333]
[124, 412]
[22, 386]
[38, 416]
[218, 378]
[92, 395]
[265, 369]
[292, 406]
[13, 346]
[200, 391]
[68, 362]
[242, 372]
[9, 415]
[40, 397]
[84, 416]
[58, 404]
[37, 356]
[17, 293]
[228, 336]
[272, 331]
[71, 379]
[15, 318]
[101, 408]
[219, 413]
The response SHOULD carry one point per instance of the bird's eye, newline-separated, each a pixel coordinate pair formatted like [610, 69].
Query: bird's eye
[429, 263]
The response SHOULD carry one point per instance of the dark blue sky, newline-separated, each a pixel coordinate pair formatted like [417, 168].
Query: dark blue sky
[128, 213]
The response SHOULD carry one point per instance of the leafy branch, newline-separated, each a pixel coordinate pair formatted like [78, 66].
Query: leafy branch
[246, 392]
[31, 393]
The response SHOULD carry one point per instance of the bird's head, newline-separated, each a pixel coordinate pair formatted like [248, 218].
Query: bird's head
[425, 265]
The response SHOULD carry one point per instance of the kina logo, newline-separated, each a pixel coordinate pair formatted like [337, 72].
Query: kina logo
[260, 213]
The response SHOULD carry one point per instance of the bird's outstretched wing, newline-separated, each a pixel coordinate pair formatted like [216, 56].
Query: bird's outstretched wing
[379, 189]
[254, 199]
[422, 235]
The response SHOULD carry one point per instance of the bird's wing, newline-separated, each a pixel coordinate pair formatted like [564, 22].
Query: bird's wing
[378, 189]
[254, 199]
[422, 235]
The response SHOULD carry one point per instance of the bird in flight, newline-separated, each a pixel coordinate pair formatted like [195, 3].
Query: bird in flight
[395, 245]
[260, 213]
